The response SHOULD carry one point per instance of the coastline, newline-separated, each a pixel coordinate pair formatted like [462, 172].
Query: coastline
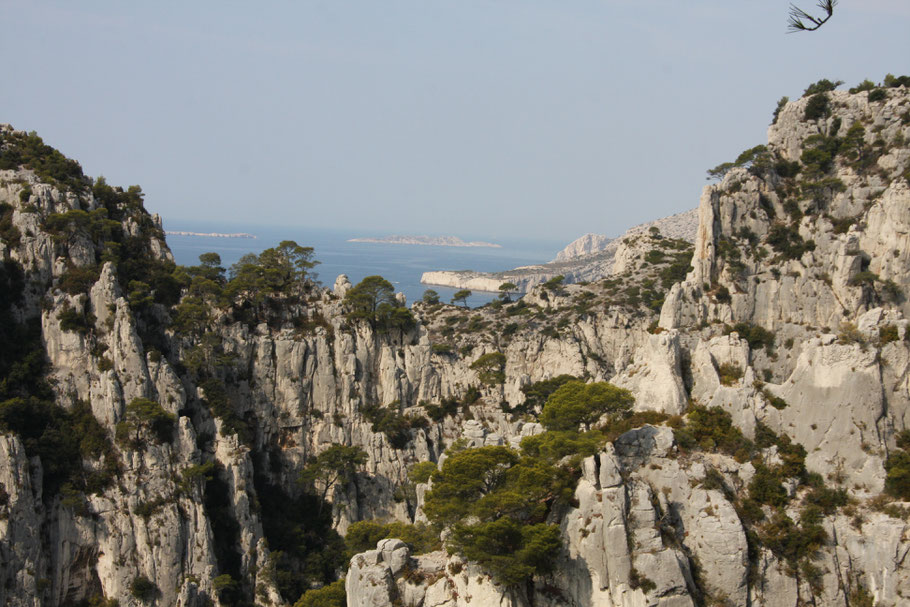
[209, 234]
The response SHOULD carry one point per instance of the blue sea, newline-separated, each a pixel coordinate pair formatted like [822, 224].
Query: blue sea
[402, 265]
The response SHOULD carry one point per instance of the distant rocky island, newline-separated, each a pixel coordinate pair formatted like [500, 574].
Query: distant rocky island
[438, 241]
[210, 234]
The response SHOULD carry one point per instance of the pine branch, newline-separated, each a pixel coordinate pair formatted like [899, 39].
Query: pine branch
[801, 21]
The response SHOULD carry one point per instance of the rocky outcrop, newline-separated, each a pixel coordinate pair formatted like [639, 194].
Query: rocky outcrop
[649, 529]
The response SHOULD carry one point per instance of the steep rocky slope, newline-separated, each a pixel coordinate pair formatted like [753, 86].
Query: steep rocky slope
[792, 323]
[156, 419]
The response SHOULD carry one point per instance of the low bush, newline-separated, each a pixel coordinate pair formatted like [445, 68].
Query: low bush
[757, 336]
[364, 535]
[143, 589]
[729, 373]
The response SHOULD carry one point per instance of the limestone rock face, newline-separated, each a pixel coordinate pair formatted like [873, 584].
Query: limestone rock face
[585, 245]
[792, 318]
[619, 550]
[655, 376]
[20, 527]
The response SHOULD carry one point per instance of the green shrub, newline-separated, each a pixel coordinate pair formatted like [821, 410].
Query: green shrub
[865, 85]
[887, 334]
[722, 294]
[729, 373]
[792, 543]
[143, 589]
[390, 422]
[576, 403]
[75, 321]
[196, 474]
[892, 81]
[495, 502]
[862, 279]
[217, 400]
[9, 233]
[787, 241]
[510, 551]
[850, 334]
[877, 95]
[76, 280]
[897, 481]
[891, 291]
[679, 266]
[785, 169]
[819, 106]
[364, 535]
[331, 595]
[822, 190]
[765, 487]
[447, 408]
[430, 297]
[555, 283]
[227, 588]
[283, 271]
[713, 430]
[619, 425]
[775, 401]
[638, 580]
[654, 256]
[843, 225]
[819, 152]
[822, 86]
[756, 335]
[62, 440]
[537, 393]
[421, 472]
[144, 416]
[306, 551]
[827, 500]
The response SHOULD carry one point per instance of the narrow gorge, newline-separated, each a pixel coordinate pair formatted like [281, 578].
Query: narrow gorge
[189, 436]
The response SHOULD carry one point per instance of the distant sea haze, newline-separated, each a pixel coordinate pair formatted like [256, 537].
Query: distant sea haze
[441, 241]
[337, 254]
[210, 234]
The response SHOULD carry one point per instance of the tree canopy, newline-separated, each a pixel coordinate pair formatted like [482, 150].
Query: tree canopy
[337, 464]
[373, 300]
[462, 296]
[507, 290]
[495, 501]
[490, 368]
[273, 272]
[536, 394]
[576, 404]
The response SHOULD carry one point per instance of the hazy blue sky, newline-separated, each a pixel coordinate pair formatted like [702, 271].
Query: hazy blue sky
[484, 118]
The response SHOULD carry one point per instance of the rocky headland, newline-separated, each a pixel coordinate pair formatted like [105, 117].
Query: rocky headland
[586, 259]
